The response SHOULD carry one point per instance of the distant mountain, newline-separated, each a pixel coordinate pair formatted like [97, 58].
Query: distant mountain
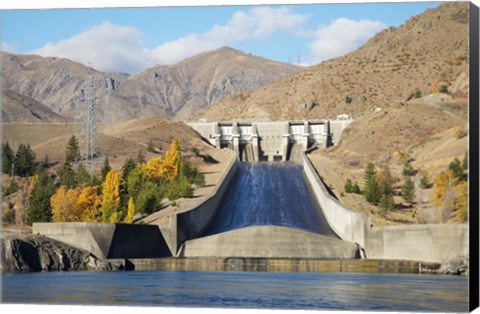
[174, 91]
[20, 108]
[429, 49]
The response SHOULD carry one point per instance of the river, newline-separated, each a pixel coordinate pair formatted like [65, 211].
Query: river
[341, 291]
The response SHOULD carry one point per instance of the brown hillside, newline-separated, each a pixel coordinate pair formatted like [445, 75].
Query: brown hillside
[21, 108]
[383, 73]
[174, 91]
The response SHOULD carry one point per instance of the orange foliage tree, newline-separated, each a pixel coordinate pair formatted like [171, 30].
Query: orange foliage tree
[64, 205]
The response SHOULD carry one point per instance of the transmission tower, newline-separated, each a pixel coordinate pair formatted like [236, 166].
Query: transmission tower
[87, 124]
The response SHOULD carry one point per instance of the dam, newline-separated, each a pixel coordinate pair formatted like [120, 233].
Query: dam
[272, 140]
[268, 215]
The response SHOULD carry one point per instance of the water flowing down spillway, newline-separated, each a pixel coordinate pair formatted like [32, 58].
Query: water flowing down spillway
[269, 194]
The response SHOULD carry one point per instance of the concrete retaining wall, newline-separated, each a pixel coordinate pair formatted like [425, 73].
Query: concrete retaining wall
[434, 243]
[108, 240]
[283, 265]
[193, 223]
[346, 223]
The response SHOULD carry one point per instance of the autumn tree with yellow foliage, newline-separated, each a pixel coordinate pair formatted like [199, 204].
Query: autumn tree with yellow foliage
[110, 198]
[130, 211]
[65, 206]
[451, 192]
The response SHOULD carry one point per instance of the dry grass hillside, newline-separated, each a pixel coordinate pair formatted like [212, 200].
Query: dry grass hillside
[21, 108]
[376, 85]
[429, 48]
[118, 141]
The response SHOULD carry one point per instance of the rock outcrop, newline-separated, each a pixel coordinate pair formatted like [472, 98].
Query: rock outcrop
[39, 253]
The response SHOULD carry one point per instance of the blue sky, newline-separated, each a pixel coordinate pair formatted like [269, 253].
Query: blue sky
[130, 40]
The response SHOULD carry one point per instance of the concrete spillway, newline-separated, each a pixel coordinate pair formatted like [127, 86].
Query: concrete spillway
[269, 194]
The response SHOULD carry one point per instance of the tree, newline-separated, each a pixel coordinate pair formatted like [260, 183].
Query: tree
[66, 176]
[105, 168]
[8, 158]
[110, 196]
[25, 163]
[127, 167]
[385, 181]
[445, 193]
[457, 170]
[371, 190]
[39, 208]
[462, 201]
[356, 188]
[73, 151]
[173, 159]
[408, 169]
[424, 183]
[444, 89]
[82, 177]
[408, 190]
[130, 211]
[65, 205]
[348, 187]
[387, 203]
[90, 203]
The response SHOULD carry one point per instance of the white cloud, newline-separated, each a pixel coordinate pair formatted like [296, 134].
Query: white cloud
[114, 48]
[255, 24]
[8, 47]
[342, 36]
[108, 47]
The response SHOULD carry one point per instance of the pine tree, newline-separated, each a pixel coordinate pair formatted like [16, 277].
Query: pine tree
[424, 183]
[25, 163]
[110, 196]
[371, 190]
[39, 208]
[8, 158]
[130, 211]
[356, 188]
[348, 187]
[127, 167]
[82, 176]
[457, 170]
[387, 203]
[66, 176]
[73, 151]
[105, 168]
[408, 190]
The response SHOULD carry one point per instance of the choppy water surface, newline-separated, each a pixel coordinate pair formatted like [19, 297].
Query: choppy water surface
[241, 290]
[269, 194]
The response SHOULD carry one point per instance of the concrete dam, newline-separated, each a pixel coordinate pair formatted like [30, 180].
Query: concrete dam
[267, 215]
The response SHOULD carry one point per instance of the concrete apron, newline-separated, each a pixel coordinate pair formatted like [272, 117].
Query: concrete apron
[285, 265]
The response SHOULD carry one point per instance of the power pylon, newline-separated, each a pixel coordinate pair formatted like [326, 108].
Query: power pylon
[87, 124]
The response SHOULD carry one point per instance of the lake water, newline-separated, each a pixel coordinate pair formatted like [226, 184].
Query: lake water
[321, 291]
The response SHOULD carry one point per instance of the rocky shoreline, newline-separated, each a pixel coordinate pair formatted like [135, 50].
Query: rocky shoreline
[33, 253]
